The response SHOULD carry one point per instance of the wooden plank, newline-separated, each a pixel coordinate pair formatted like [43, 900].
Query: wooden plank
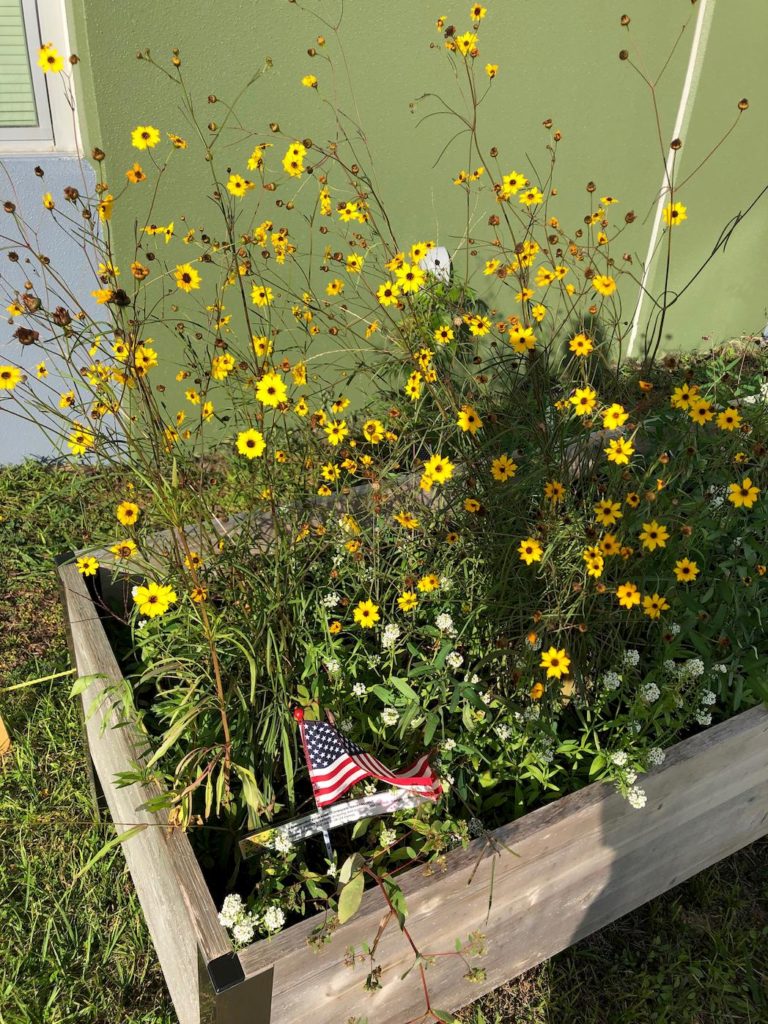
[174, 897]
[5, 739]
[582, 862]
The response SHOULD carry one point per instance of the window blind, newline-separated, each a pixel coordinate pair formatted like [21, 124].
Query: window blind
[17, 94]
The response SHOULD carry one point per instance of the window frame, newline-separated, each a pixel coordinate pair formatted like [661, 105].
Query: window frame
[44, 21]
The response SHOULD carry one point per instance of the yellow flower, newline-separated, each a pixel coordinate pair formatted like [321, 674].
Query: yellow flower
[614, 416]
[531, 197]
[48, 202]
[127, 512]
[530, 551]
[334, 287]
[438, 469]
[686, 571]
[9, 378]
[471, 505]
[178, 142]
[336, 431]
[366, 614]
[410, 278]
[556, 662]
[428, 583]
[701, 411]
[491, 70]
[198, 594]
[144, 137]
[154, 599]
[604, 284]
[207, 411]
[607, 512]
[407, 601]
[628, 595]
[49, 59]
[536, 692]
[373, 431]
[654, 535]
[124, 549]
[251, 443]
[554, 491]
[477, 12]
[619, 451]
[468, 420]
[743, 495]
[609, 545]
[87, 565]
[355, 263]
[301, 408]
[654, 605]
[135, 174]
[293, 161]
[729, 419]
[187, 278]
[238, 186]
[443, 334]
[682, 397]
[522, 339]
[41, 370]
[406, 520]
[583, 401]
[503, 468]
[309, 82]
[478, 325]
[80, 441]
[261, 295]
[104, 207]
[271, 390]
[580, 345]
[466, 43]
[594, 560]
[674, 214]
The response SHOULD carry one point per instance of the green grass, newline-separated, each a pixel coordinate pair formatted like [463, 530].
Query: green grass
[79, 951]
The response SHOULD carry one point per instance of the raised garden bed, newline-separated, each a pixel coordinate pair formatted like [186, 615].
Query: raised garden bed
[578, 864]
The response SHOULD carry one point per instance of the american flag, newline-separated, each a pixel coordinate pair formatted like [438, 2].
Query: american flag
[336, 763]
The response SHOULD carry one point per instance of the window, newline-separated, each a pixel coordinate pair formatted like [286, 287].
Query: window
[34, 115]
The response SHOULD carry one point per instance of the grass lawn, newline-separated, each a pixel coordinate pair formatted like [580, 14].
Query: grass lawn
[80, 951]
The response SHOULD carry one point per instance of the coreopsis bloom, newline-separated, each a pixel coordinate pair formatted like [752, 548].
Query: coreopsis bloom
[604, 284]
[531, 197]
[682, 397]
[80, 441]
[198, 594]
[154, 599]
[685, 570]
[261, 295]
[729, 419]
[366, 614]
[556, 662]
[743, 495]
[144, 137]
[334, 287]
[503, 468]
[439, 469]
[654, 535]
[609, 545]
[48, 202]
[251, 443]
[87, 565]
[135, 174]
[619, 451]
[293, 161]
[472, 505]
[583, 401]
[336, 431]
[674, 214]
[301, 408]
[139, 271]
[654, 605]
[271, 390]
[124, 549]
[309, 82]
[594, 561]
[491, 70]
[406, 520]
[443, 334]
[614, 416]
[466, 43]
[427, 584]
[411, 278]
[580, 345]
[522, 339]
[127, 512]
[530, 551]
[607, 512]
[554, 491]
[388, 293]
[468, 420]
[187, 278]
[491, 266]
[104, 207]
[355, 263]
[41, 370]
[511, 184]
[373, 431]
[9, 378]
[478, 325]
[628, 595]
[49, 59]
[701, 411]
[237, 185]
[407, 601]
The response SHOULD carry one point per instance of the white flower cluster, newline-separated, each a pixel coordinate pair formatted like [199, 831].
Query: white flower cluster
[450, 744]
[693, 668]
[240, 922]
[631, 658]
[273, 919]
[618, 757]
[330, 600]
[444, 623]
[610, 681]
[387, 836]
[333, 666]
[390, 716]
[637, 798]
[390, 636]
[649, 692]
[655, 756]
[454, 660]
[359, 689]
[503, 731]
[674, 628]
[708, 697]
[280, 843]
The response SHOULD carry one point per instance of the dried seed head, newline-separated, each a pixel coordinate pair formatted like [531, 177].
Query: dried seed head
[676, 144]
[623, 54]
[743, 104]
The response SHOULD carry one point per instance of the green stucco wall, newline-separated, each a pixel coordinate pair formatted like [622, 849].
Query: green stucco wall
[558, 60]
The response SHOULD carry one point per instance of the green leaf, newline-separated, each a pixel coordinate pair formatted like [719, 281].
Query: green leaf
[351, 897]
[350, 867]
[107, 848]
[598, 763]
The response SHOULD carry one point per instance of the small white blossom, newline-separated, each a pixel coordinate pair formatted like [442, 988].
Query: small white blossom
[637, 798]
[503, 731]
[649, 692]
[708, 697]
[273, 919]
[610, 680]
[444, 623]
[330, 600]
[387, 836]
[486, 697]
[720, 668]
[674, 628]
[694, 668]
[656, 756]
[454, 660]
[243, 931]
[281, 843]
[359, 689]
[447, 778]
[231, 910]
[631, 657]
[390, 635]
[333, 666]
[635, 726]
[630, 776]
[446, 583]
[390, 716]
[474, 679]
[618, 757]
[450, 744]
[703, 717]
[670, 667]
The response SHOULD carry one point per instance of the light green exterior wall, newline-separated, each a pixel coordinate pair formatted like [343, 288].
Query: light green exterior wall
[557, 59]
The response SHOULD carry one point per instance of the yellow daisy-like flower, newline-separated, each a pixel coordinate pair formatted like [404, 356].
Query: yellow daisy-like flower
[87, 565]
[554, 491]
[682, 397]
[271, 390]
[522, 339]
[654, 535]
[80, 441]
[261, 295]
[701, 411]
[443, 334]
[729, 419]
[530, 551]
[743, 495]
[628, 595]
[238, 185]
[388, 293]
[144, 136]
[187, 278]
[556, 662]
[581, 345]
[406, 520]
[619, 451]
[583, 401]
[309, 82]
[154, 599]
[334, 287]
[407, 601]
[49, 59]
[531, 197]
[686, 571]
[411, 278]
[503, 468]
[614, 416]
[466, 43]
[607, 512]
[674, 214]
[127, 512]
[366, 614]
[428, 583]
[491, 70]
[251, 443]
[468, 420]
[9, 378]
[604, 284]
[336, 431]
[124, 549]
[373, 431]
[438, 469]
[654, 605]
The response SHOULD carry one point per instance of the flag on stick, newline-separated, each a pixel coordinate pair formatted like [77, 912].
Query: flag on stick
[335, 764]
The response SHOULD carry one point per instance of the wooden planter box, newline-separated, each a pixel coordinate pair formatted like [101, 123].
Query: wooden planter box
[582, 862]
